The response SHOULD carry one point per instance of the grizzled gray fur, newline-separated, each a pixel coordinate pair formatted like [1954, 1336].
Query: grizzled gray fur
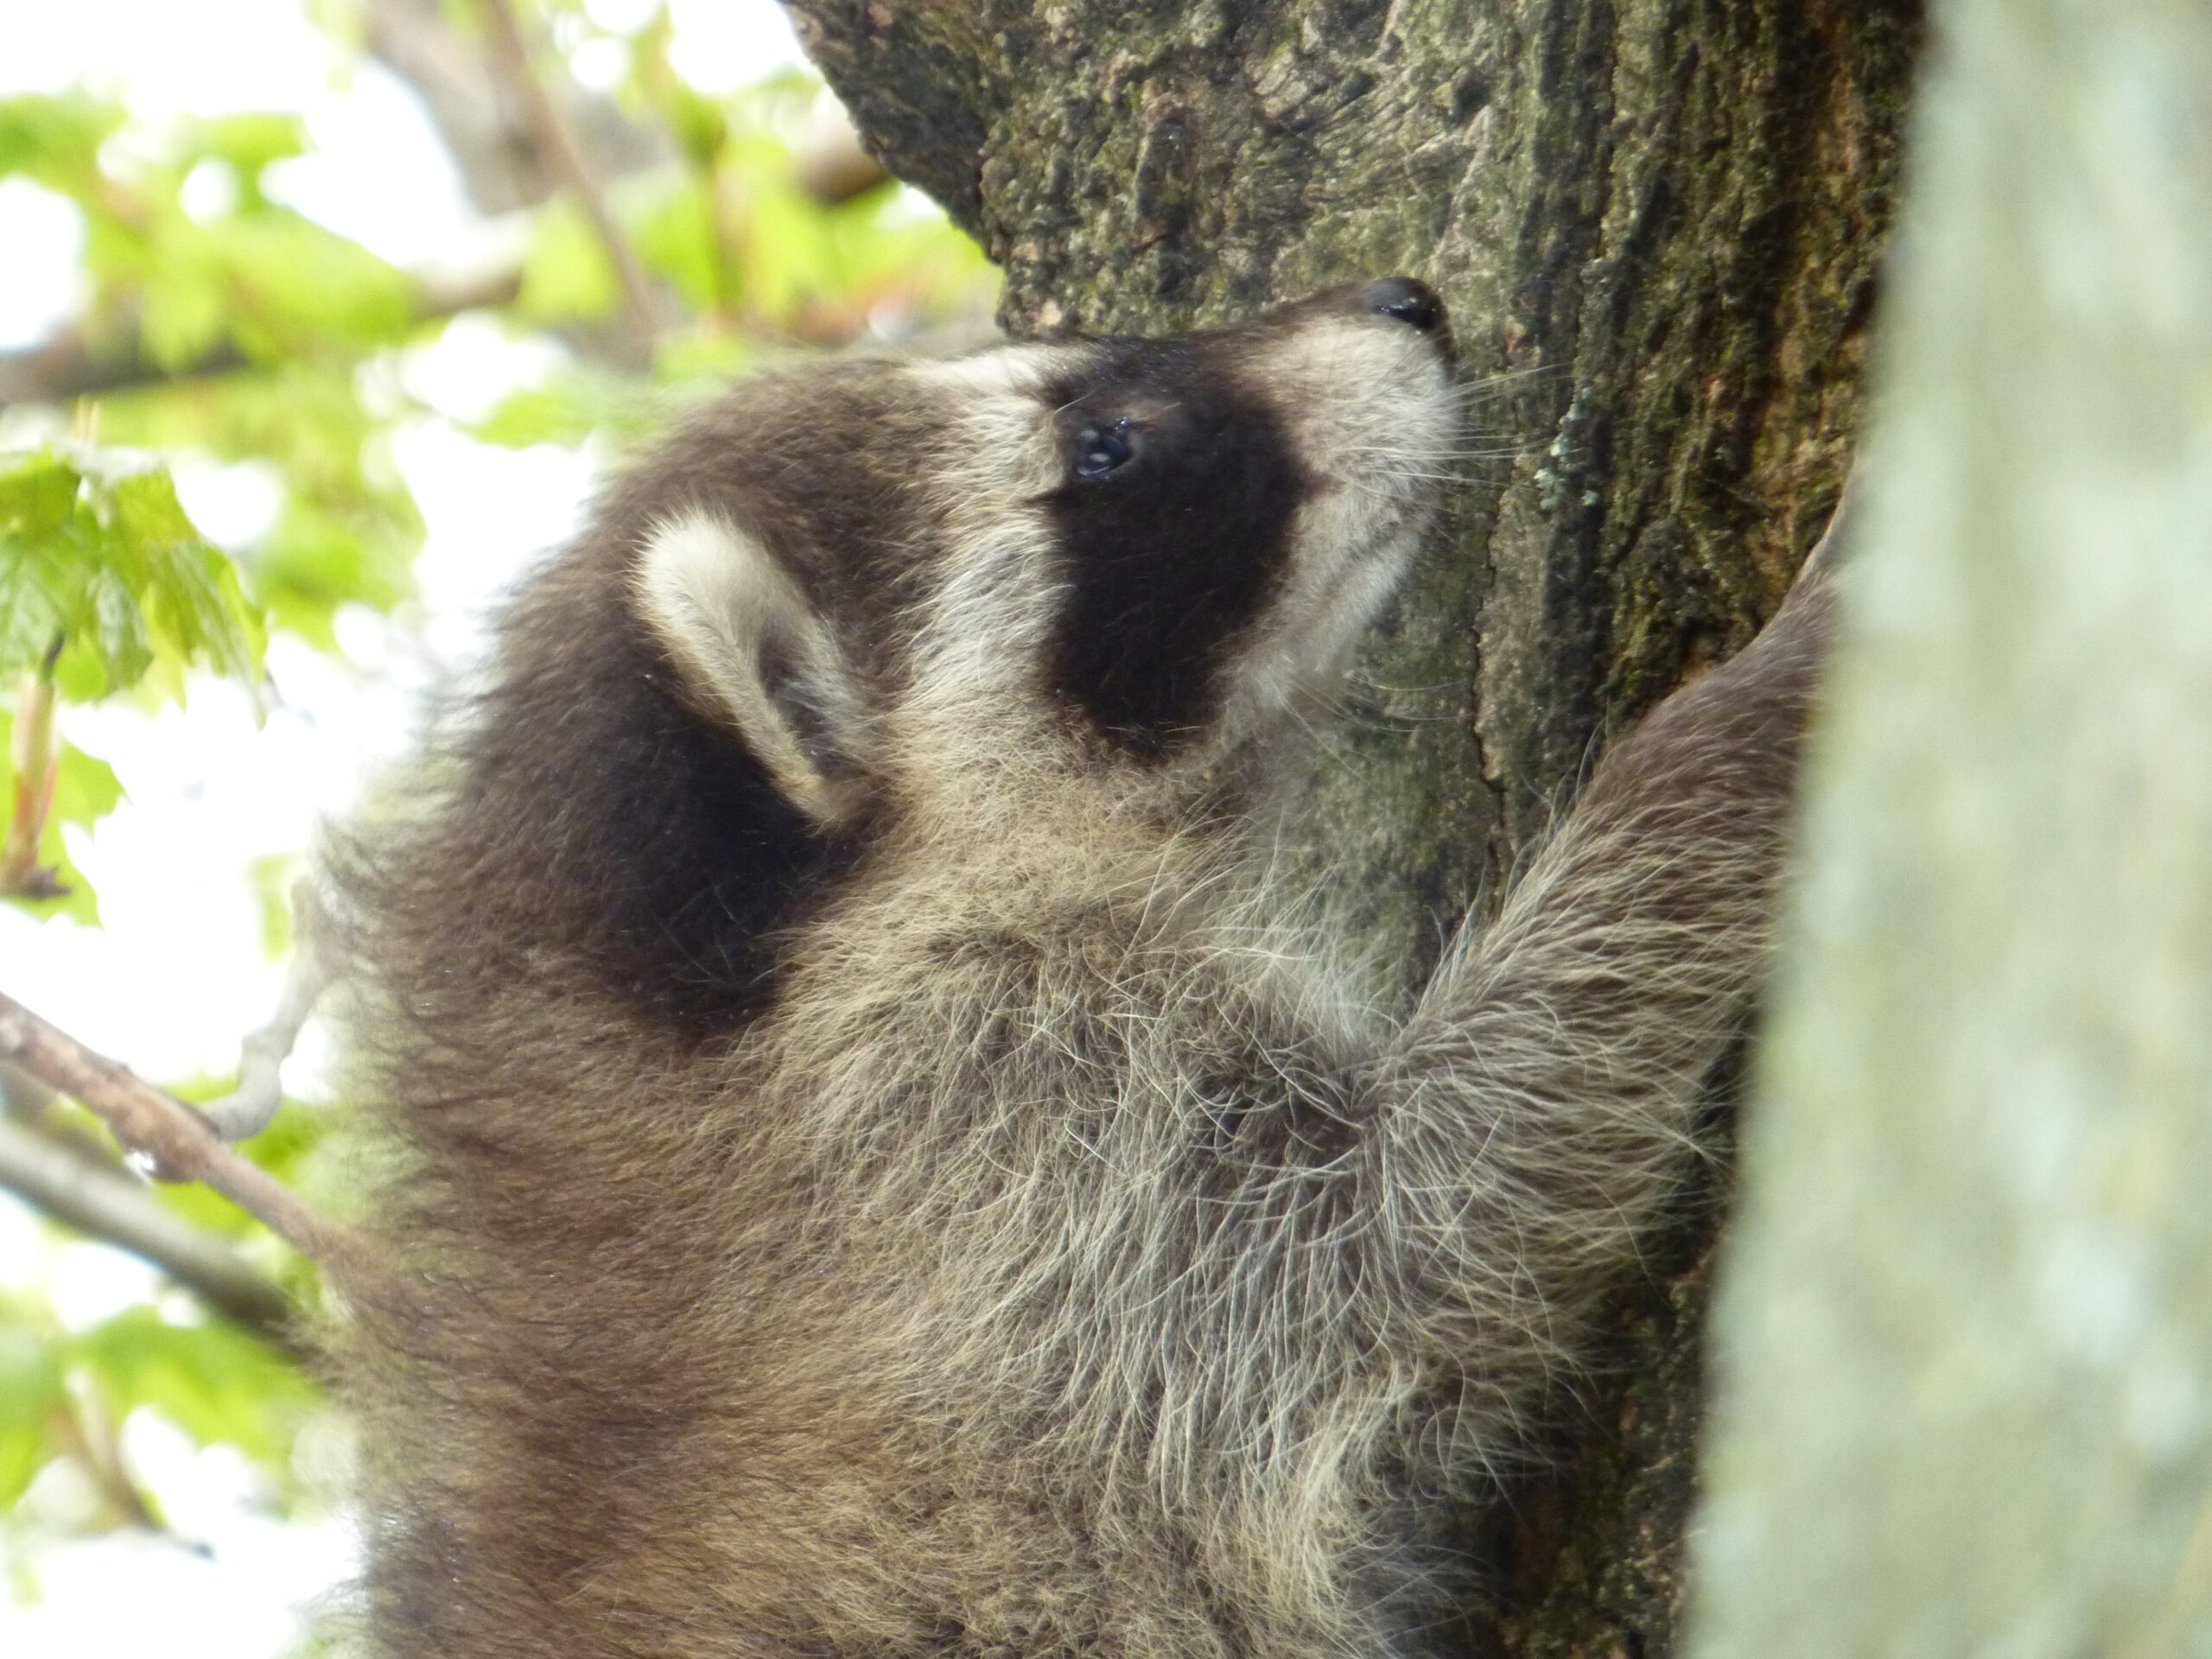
[887, 1170]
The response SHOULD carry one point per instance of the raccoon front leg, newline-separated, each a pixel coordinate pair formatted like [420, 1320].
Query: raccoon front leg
[1535, 1112]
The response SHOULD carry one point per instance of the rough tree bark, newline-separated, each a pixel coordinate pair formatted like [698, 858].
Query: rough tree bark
[1657, 223]
[1966, 1326]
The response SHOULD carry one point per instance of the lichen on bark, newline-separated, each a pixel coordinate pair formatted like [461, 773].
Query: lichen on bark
[1657, 224]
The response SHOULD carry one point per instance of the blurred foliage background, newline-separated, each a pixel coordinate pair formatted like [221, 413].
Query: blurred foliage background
[640, 237]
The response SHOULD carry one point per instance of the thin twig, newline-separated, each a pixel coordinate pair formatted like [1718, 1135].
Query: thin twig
[561, 149]
[248, 1108]
[428, 45]
[75, 364]
[182, 1146]
[85, 1427]
[106, 1203]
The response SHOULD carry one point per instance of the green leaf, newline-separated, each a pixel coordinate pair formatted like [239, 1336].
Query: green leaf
[217, 1384]
[348, 529]
[566, 275]
[86, 790]
[118, 571]
[272, 877]
[295, 286]
[118, 629]
[189, 589]
[56, 139]
[24, 1453]
[30, 1388]
[675, 235]
[316, 561]
[572, 407]
[184, 298]
[38, 493]
[249, 143]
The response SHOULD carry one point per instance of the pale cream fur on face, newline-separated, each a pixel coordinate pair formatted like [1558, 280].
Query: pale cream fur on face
[1369, 408]
[986, 626]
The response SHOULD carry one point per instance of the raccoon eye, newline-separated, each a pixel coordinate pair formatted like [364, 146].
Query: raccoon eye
[1101, 448]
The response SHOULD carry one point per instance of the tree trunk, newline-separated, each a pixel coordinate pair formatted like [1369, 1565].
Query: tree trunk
[1967, 1328]
[1657, 223]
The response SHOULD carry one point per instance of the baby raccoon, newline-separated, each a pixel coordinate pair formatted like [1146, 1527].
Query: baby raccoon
[886, 1175]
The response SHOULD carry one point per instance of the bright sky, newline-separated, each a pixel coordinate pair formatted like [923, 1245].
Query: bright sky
[177, 975]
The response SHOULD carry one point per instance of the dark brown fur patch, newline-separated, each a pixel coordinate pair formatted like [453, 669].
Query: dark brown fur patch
[1169, 559]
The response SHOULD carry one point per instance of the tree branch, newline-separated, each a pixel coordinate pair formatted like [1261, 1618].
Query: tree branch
[183, 1145]
[71, 366]
[86, 1429]
[478, 114]
[248, 1108]
[924, 100]
[106, 1203]
[831, 163]
[557, 142]
[66, 367]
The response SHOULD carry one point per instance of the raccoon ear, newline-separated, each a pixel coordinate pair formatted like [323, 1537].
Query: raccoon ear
[753, 652]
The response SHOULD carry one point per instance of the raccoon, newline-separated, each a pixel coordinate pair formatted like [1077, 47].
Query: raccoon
[886, 1168]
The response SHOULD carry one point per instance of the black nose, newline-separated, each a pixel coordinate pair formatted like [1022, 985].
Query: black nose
[1408, 301]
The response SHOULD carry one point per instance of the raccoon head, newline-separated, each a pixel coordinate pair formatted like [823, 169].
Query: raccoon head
[1113, 558]
[966, 597]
